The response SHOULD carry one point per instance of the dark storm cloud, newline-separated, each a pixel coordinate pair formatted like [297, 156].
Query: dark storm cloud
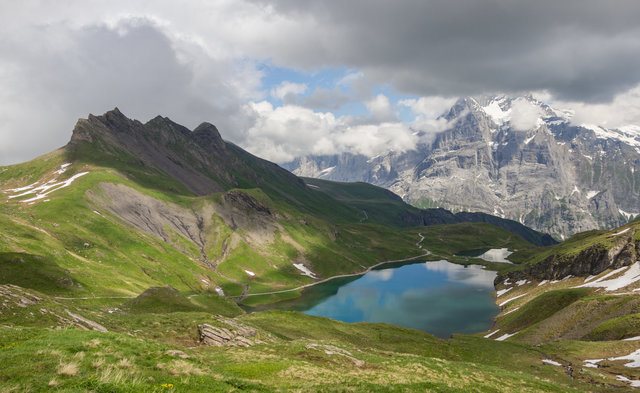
[576, 49]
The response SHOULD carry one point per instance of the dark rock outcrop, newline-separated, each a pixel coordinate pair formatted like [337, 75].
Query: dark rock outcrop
[590, 261]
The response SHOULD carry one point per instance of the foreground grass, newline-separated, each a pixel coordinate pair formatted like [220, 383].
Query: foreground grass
[322, 355]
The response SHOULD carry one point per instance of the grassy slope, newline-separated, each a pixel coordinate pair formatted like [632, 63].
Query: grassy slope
[134, 356]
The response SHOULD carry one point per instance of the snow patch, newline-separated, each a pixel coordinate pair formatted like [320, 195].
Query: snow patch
[633, 356]
[629, 277]
[633, 382]
[492, 333]
[30, 186]
[589, 278]
[496, 255]
[249, 272]
[575, 189]
[63, 168]
[629, 134]
[628, 215]
[305, 271]
[526, 141]
[219, 291]
[513, 298]
[503, 291]
[326, 171]
[592, 363]
[592, 193]
[543, 282]
[47, 189]
[506, 336]
[313, 186]
[621, 232]
[521, 282]
[551, 362]
[636, 338]
[510, 311]
[496, 113]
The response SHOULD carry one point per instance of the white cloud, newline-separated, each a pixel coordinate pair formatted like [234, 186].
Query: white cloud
[280, 134]
[623, 110]
[288, 91]
[524, 115]
[380, 108]
[429, 113]
[429, 107]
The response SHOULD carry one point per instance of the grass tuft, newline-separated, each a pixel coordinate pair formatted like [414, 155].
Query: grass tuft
[69, 369]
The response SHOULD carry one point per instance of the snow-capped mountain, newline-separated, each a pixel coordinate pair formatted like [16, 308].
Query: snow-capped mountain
[517, 158]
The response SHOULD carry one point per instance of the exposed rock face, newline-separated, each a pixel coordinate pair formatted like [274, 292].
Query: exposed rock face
[590, 261]
[228, 333]
[552, 176]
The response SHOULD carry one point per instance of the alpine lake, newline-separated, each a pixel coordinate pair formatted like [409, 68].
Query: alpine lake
[437, 297]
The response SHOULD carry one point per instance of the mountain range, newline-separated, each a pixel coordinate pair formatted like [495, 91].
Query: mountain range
[513, 157]
[133, 259]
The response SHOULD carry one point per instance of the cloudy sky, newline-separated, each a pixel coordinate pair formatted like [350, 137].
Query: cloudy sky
[285, 78]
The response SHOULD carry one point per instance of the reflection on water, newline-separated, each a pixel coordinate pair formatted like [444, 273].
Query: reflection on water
[438, 297]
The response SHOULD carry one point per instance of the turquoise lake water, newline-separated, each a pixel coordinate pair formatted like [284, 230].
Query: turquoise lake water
[438, 297]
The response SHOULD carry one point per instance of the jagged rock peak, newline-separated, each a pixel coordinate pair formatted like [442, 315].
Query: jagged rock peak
[207, 134]
[207, 128]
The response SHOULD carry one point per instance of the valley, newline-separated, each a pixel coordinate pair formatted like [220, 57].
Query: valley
[128, 259]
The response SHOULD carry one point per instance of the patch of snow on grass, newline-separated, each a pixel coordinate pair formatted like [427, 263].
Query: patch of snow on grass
[633, 356]
[47, 189]
[629, 277]
[496, 255]
[526, 141]
[636, 338]
[97, 212]
[503, 291]
[589, 278]
[30, 186]
[551, 362]
[513, 298]
[611, 274]
[63, 168]
[492, 333]
[543, 282]
[219, 291]
[621, 232]
[510, 311]
[249, 272]
[506, 336]
[305, 271]
[313, 186]
[521, 282]
[592, 363]
[632, 382]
